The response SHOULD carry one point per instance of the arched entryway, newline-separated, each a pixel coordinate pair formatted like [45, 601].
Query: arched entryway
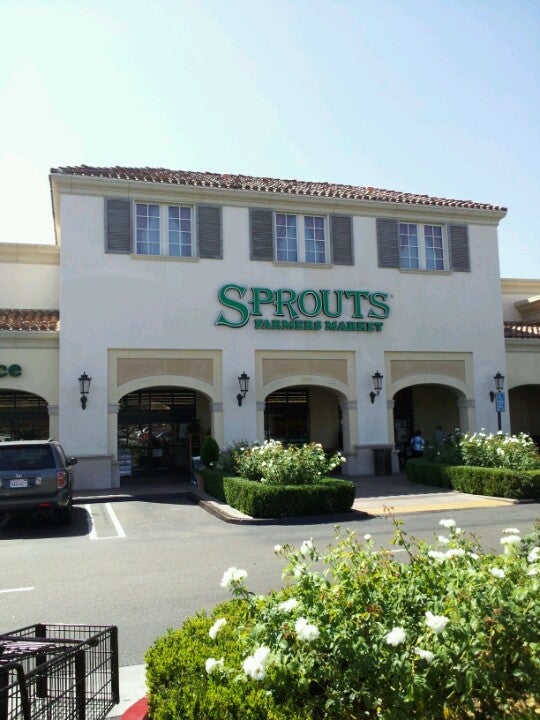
[161, 428]
[23, 416]
[524, 411]
[302, 414]
[423, 407]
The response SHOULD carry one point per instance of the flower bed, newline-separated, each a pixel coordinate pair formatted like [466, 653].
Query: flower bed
[452, 633]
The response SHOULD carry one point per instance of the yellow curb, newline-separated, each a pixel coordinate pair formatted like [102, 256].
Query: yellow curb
[429, 507]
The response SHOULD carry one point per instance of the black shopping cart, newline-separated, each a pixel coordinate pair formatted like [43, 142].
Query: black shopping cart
[59, 672]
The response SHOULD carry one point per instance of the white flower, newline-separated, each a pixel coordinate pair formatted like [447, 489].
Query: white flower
[511, 531]
[436, 622]
[300, 569]
[278, 548]
[533, 570]
[231, 576]
[367, 536]
[306, 631]
[473, 555]
[443, 540]
[212, 665]
[437, 555]
[510, 539]
[254, 665]
[497, 572]
[534, 555]
[424, 654]
[288, 605]
[216, 627]
[306, 547]
[455, 552]
[447, 523]
[395, 636]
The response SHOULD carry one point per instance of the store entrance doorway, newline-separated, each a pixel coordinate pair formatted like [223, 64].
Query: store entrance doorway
[23, 416]
[157, 430]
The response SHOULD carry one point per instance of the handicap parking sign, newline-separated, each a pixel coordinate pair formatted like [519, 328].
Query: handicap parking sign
[499, 402]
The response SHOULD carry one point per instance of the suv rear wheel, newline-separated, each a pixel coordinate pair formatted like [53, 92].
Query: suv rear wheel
[64, 515]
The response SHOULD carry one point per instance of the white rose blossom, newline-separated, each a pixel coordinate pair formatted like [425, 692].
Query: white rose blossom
[396, 636]
[232, 575]
[511, 531]
[534, 570]
[534, 555]
[437, 623]
[443, 540]
[216, 627]
[254, 665]
[447, 523]
[497, 572]
[307, 547]
[305, 630]
[212, 665]
[426, 655]
[289, 605]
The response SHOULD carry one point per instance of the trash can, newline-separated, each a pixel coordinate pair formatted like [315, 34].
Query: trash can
[382, 461]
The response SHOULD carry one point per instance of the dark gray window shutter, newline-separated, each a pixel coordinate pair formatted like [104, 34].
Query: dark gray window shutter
[209, 232]
[117, 225]
[341, 239]
[458, 239]
[261, 234]
[387, 243]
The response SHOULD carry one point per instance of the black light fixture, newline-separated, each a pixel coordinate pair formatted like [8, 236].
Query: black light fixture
[243, 381]
[499, 384]
[84, 388]
[377, 384]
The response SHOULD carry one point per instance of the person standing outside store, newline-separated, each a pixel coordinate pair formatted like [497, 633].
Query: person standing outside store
[417, 444]
[439, 436]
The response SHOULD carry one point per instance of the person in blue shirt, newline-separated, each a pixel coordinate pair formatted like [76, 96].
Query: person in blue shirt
[417, 444]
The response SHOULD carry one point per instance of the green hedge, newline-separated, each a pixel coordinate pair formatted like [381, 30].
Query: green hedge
[498, 482]
[329, 495]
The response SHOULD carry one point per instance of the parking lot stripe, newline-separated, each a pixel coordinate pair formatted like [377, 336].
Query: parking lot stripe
[119, 529]
[92, 531]
[21, 589]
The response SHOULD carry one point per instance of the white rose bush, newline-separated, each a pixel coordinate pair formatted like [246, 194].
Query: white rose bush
[442, 631]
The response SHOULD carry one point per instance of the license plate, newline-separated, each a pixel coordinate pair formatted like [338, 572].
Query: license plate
[18, 483]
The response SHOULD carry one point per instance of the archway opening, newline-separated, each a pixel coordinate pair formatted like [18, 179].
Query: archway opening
[424, 407]
[23, 416]
[303, 414]
[160, 429]
[524, 415]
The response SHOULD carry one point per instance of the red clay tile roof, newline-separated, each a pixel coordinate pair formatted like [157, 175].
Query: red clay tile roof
[268, 185]
[521, 330]
[29, 320]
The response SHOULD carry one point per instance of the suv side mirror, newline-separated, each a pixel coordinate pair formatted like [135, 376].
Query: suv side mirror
[71, 461]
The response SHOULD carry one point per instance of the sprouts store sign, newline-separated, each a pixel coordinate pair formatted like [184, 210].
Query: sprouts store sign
[286, 309]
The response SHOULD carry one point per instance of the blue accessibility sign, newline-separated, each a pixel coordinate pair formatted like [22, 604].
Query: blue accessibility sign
[499, 402]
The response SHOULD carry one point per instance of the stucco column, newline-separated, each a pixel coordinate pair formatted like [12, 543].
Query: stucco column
[54, 423]
[390, 421]
[216, 422]
[467, 415]
[260, 407]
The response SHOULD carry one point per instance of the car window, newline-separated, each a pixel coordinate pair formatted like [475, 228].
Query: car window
[26, 457]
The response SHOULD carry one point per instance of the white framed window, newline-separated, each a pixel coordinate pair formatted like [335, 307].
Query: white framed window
[163, 230]
[422, 247]
[301, 238]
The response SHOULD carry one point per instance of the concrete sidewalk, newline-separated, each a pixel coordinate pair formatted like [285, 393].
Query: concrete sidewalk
[375, 495]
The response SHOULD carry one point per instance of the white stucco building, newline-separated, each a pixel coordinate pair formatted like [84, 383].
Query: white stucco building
[164, 287]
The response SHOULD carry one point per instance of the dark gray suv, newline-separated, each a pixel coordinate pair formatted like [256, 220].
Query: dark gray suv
[36, 475]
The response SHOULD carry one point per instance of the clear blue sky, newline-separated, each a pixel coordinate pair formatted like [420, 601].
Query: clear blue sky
[430, 96]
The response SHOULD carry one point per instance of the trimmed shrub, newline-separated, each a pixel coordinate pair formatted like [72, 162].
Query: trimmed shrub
[356, 633]
[327, 496]
[209, 451]
[498, 482]
[273, 463]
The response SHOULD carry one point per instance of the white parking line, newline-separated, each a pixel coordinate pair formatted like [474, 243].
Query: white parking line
[21, 589]
[92, 532]
[115, 521]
